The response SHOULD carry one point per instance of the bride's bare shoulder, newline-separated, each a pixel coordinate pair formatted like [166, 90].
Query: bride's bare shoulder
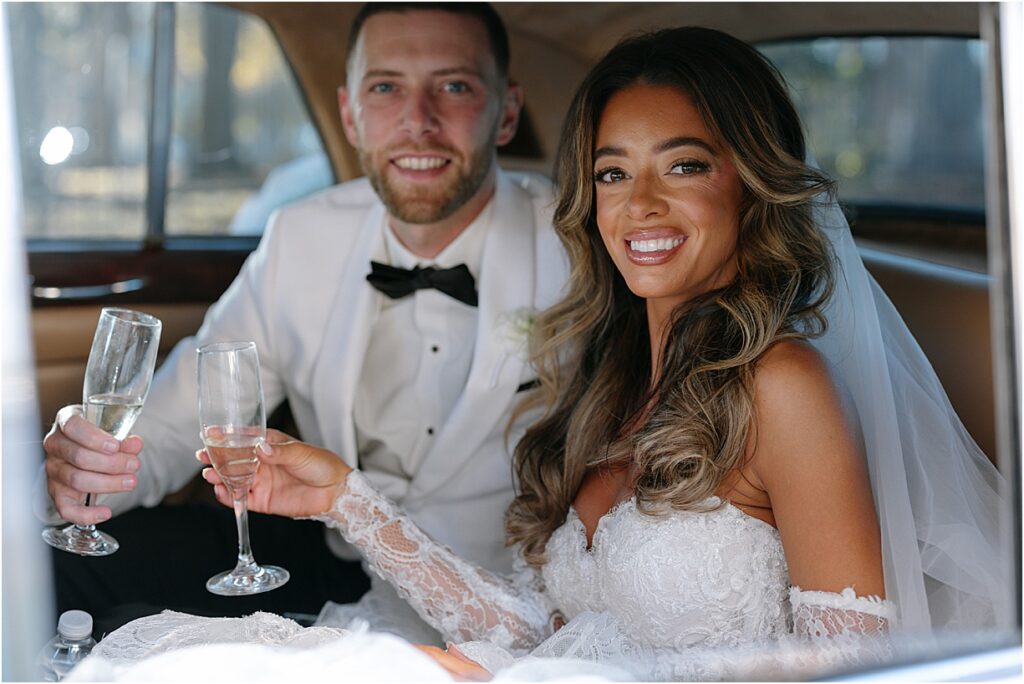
[798, 409]
[791, 365]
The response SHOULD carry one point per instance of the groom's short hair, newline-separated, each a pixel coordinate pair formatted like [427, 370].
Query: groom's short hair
[496, 33]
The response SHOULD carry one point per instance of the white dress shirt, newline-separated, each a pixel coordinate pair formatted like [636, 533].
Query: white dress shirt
[416, 364]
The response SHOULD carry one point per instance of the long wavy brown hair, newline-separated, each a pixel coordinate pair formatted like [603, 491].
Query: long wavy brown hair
[592, 350]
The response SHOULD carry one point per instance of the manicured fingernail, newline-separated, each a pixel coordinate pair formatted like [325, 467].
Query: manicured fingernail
[102, 517]
[265, 448]
[133, 464]
[128, 482]
[110, 446]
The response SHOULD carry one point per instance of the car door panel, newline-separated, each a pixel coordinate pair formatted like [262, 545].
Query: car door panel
[63, 334]
[177, 286]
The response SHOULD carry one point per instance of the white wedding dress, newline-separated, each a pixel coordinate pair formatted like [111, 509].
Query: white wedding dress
[685, 596]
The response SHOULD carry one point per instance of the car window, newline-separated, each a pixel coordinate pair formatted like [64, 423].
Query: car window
[81, 81]
[240, 141]
[896, 121]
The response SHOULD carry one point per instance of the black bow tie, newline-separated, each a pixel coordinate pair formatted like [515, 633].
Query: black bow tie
[396, 283]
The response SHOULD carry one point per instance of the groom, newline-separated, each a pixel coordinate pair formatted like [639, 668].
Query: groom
[409, 373]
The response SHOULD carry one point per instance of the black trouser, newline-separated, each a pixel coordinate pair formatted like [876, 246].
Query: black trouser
[167, 554]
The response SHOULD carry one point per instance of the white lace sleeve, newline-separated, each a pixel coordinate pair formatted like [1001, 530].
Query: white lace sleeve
[461, 600]
[824, 614]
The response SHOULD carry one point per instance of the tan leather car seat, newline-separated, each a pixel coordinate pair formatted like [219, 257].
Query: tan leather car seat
[947, 309]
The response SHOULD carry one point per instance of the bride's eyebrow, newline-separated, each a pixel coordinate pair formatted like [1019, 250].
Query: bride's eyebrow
[683, 141]
[663, 146]
[609, 151]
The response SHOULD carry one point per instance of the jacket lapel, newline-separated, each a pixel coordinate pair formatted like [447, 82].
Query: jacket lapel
[507, 283]
[345, 340]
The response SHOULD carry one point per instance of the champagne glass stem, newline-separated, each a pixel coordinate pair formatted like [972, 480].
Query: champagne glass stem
[241, 506]
[87, 529]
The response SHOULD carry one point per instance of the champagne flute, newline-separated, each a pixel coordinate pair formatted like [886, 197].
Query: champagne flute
[117, 379]
[233, 423]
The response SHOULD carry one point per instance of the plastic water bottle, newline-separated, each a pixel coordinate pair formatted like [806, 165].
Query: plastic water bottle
[73, 642]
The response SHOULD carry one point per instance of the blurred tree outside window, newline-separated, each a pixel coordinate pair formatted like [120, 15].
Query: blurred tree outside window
[242, 141]
[895, 121]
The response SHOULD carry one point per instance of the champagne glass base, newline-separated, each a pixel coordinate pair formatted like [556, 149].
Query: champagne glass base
[83, 541]
[247, 580]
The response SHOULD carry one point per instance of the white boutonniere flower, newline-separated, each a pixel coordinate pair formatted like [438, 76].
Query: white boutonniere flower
[515, 328]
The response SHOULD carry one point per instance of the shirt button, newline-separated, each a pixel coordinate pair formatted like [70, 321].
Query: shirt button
[430, 430]
[435, 349]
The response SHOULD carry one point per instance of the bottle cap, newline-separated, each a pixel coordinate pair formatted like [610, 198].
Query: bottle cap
[75, 624]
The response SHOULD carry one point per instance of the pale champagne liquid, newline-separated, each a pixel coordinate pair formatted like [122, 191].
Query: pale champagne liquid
[233, 456]
[113, 413]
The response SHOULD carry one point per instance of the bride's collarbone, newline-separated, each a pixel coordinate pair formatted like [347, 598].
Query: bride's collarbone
[605, 488]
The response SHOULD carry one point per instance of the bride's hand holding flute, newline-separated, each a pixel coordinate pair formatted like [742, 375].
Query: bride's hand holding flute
[294, 479]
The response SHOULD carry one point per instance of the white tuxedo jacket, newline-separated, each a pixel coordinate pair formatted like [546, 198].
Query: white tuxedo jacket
[303, 297]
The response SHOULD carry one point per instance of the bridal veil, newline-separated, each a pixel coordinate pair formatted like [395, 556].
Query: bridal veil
[938, 497]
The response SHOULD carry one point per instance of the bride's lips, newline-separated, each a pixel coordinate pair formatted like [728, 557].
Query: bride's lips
[653, 246]
[420, 165]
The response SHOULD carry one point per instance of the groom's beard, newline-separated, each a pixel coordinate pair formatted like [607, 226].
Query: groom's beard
[430, 203]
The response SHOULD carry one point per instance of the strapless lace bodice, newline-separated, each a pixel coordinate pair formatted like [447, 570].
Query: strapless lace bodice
[679, 580]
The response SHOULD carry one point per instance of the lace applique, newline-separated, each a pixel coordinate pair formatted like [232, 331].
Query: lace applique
[463, 601]
[681, 580]
[249, 650]
[603, 639]
[170, 630]
[821, 614]
[832, 633]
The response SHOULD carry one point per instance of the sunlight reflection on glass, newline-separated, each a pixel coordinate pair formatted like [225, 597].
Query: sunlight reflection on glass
[57, 145]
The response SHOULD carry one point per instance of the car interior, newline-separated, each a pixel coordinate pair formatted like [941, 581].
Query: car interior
[171, 131]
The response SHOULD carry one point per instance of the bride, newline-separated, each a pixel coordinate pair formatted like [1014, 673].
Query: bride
[704, 471]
